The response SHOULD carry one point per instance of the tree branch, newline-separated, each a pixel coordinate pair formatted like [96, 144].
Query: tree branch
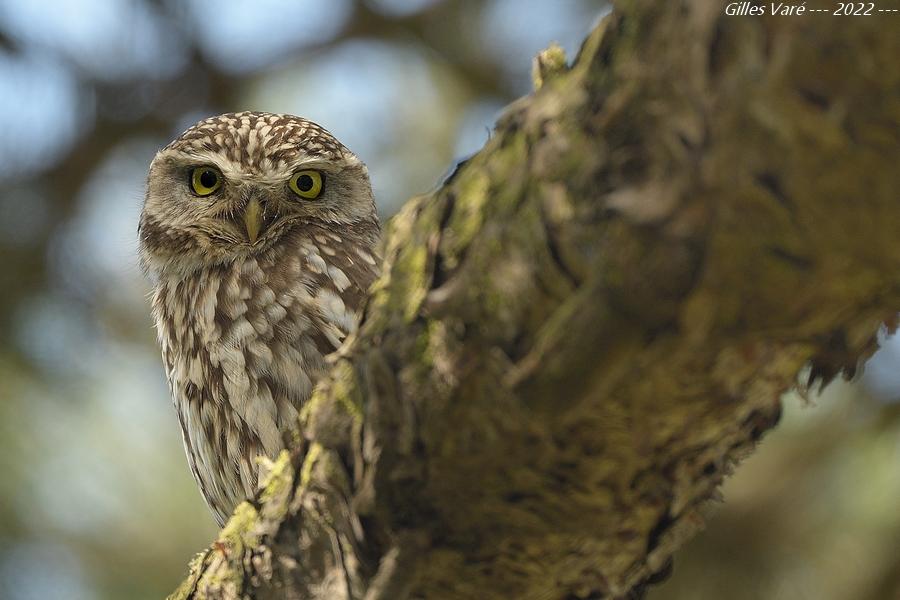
[578, 335]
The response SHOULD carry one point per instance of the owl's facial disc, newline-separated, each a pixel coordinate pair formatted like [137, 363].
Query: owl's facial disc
[238, 184]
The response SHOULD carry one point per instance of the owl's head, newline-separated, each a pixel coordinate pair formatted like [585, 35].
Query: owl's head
[235, 184]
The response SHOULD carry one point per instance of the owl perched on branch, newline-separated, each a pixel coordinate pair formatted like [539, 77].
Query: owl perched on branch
[259, 231]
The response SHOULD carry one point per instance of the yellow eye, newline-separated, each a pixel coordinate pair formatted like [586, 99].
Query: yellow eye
[306, 184]
[205, 180]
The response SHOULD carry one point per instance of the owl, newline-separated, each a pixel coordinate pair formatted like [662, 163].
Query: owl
[259, 234]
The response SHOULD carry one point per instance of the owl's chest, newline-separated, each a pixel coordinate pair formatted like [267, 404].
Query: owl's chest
[243, 345]
[232, 334]
[242, 352]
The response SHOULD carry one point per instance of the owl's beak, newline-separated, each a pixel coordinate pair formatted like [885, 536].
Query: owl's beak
[253, 218]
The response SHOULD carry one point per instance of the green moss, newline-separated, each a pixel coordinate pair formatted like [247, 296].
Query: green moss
[549, 62]
[341, 389]
[468, 214]
[308, 463]
[423, 354]
[414, 288]
[320, 395]
[402, 288]
[238, 534]
[430, 345]
[510, 166]
[588, 51]
[344, 389]
[279, 479]
[195, 570]
[239, 528]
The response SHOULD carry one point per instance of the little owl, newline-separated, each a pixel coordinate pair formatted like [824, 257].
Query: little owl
[259, 232]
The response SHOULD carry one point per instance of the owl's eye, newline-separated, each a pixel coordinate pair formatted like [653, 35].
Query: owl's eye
[205, 180]
[307, 184]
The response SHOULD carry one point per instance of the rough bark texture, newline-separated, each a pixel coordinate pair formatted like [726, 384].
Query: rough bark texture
[578, 335]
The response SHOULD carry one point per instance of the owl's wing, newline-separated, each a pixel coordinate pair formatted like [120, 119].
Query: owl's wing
[339, 285]
[321, 284]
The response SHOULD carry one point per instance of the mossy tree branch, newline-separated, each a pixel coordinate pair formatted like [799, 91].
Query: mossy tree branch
[577, 336]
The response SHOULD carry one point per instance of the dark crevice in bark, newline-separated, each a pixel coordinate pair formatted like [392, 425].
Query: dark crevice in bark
[798, 262]
[771, 183]
[439, 275]
[717, 49]
[662, 525]
[815, 98]
[553, 249]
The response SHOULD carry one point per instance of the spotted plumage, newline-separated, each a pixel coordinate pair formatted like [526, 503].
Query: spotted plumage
[255, 282]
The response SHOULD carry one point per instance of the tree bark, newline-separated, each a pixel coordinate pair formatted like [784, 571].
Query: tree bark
[594, 318]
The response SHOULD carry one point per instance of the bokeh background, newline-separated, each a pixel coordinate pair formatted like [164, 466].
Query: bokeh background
[96, 500]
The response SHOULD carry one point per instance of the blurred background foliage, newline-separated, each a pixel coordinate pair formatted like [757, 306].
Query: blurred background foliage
[96, 500]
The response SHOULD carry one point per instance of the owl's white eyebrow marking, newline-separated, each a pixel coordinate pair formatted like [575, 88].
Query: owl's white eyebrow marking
[317, 163]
